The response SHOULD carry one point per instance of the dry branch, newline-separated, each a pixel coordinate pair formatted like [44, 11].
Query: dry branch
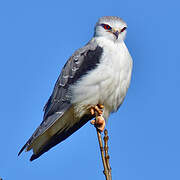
[104, 152]
[106, 138]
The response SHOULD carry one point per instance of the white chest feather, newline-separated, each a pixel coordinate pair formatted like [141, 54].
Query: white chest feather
[108, 83]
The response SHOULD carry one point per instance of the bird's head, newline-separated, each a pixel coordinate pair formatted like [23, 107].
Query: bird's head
[111, 27]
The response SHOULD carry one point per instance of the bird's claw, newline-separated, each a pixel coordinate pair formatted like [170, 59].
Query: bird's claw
[99, 122]
[97, 109]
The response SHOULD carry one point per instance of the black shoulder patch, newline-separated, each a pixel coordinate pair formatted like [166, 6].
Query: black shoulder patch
[90, 61]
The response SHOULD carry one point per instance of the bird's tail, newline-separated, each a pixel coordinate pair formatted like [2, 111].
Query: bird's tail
[60, 136]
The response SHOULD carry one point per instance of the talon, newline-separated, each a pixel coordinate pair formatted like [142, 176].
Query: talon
[92, 111]
[93, 122]
[100, 106]
[100, 123]
[98, 110]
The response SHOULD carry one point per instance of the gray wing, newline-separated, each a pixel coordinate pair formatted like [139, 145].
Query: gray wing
[83, 60]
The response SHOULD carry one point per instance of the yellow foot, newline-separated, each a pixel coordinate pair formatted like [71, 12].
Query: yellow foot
[98, 108]
[99, 122]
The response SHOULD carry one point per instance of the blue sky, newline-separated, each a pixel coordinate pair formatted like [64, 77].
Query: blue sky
[37, 37]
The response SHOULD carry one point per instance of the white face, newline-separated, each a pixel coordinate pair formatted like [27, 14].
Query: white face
[112, 28]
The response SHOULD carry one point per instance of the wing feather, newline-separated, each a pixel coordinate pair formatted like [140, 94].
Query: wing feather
[82, 61]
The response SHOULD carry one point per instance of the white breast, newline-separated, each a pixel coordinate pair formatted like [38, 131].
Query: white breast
[108, 83]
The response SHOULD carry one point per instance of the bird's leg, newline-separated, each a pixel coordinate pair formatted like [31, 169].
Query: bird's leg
[99, 122]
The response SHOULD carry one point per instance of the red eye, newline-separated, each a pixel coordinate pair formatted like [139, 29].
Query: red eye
[123, 29]
[106, 26]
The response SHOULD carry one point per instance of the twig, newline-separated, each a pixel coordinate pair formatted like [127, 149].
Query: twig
[104, 152]
[106, 138]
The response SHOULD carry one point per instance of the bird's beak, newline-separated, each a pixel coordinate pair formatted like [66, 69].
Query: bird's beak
[116, 33]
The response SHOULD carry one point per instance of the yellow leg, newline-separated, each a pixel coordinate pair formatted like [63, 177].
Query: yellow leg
[99, 122]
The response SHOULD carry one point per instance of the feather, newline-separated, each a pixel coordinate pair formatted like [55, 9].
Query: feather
[79, 64]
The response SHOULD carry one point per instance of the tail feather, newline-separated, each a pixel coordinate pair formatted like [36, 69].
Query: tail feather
[60, 136]
[43, 133]
[22, 149]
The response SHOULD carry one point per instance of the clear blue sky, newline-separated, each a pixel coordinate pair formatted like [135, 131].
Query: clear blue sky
[37, 37]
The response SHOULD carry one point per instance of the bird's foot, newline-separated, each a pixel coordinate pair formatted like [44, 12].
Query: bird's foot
[99, 122]
[98, 109]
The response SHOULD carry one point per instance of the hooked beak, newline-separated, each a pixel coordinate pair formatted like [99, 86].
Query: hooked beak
[116, 33]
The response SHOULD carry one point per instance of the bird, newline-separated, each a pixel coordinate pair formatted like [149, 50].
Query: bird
[94, 80]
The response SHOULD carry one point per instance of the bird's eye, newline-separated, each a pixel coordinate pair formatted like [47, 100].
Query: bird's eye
[123, 29]
[106, 26]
